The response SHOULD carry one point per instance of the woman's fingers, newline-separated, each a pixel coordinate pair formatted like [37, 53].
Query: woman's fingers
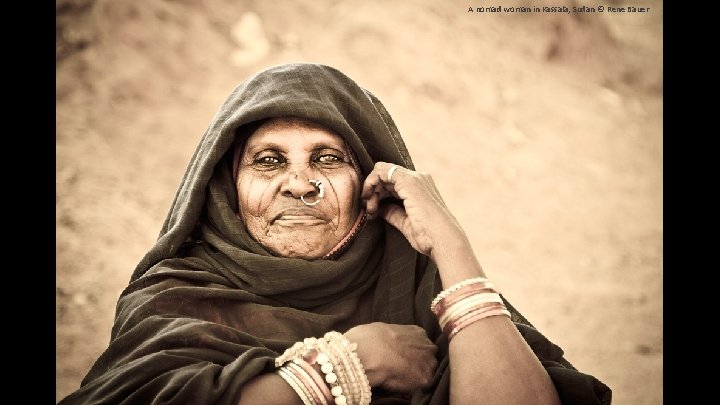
[378, 177]
[421, 215]
[376, 187]
[372, 204]
[395, 215]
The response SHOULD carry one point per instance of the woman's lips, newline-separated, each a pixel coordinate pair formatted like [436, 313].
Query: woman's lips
[292, 220]
[299, 216]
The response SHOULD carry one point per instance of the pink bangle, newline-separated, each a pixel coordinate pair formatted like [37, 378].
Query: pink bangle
[474, 318]
[314, 356]
[458, 286]
[477, 310]
[296, 385]
[316, 377]
[469, 304]
[458, 295]
[308, 382]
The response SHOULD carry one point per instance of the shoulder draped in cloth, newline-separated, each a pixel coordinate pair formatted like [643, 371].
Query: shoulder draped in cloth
[208, 308]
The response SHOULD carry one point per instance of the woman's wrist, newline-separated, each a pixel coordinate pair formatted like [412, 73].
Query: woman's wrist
[339, 363]
[374, 373]
[456, 260]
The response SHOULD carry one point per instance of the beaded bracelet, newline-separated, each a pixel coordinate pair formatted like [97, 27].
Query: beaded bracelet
[328, 368]
[339, 363]
[360, 390]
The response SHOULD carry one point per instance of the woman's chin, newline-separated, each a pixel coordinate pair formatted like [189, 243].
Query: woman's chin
[299, 251]
[313, 242]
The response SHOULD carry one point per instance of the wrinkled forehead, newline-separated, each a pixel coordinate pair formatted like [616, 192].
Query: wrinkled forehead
[291, 122]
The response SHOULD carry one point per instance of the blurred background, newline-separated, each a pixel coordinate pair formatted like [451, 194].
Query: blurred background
[543, 132]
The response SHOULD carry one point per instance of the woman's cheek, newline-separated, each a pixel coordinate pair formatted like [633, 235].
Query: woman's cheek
[347, 189]
[250, 195]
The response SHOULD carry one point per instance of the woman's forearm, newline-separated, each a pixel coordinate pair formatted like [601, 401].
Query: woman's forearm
[490, 362]
[268, 388]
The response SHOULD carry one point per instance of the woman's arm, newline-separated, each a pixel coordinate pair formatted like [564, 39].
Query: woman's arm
[268, 388]
[398, 358]
[490, 361]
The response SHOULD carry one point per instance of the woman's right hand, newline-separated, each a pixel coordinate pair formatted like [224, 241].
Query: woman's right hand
[423, 218]
[398, 358]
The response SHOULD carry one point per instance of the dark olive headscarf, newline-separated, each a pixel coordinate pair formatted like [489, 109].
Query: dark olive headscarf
[208, 308]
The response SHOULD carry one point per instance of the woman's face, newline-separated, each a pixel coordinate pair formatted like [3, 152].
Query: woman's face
[275, 168]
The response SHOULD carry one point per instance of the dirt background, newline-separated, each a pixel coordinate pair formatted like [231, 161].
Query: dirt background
[543, 132]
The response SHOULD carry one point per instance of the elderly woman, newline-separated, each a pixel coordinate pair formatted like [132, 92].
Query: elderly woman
[304, 261]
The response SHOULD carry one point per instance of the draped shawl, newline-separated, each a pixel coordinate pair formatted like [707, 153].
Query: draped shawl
[208, 308]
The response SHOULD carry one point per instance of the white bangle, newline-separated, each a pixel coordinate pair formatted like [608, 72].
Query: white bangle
[458, 286]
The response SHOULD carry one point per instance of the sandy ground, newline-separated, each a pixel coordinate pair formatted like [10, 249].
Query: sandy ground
[543, 131]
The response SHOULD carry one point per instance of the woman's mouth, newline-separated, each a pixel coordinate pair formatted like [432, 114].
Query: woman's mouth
[299, 217]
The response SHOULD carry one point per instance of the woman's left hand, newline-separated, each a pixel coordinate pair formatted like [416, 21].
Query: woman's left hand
[423, 218]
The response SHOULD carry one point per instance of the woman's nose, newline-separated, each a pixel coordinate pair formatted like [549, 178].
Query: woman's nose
[298, 185]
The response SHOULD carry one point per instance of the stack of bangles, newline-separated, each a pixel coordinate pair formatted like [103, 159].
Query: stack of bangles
[465, 303]
[344, 381]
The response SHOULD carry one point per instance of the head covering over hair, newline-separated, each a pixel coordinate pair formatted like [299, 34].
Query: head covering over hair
[208, 308]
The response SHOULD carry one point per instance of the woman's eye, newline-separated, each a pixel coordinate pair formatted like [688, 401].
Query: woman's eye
[268, 161]
[329, 159]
